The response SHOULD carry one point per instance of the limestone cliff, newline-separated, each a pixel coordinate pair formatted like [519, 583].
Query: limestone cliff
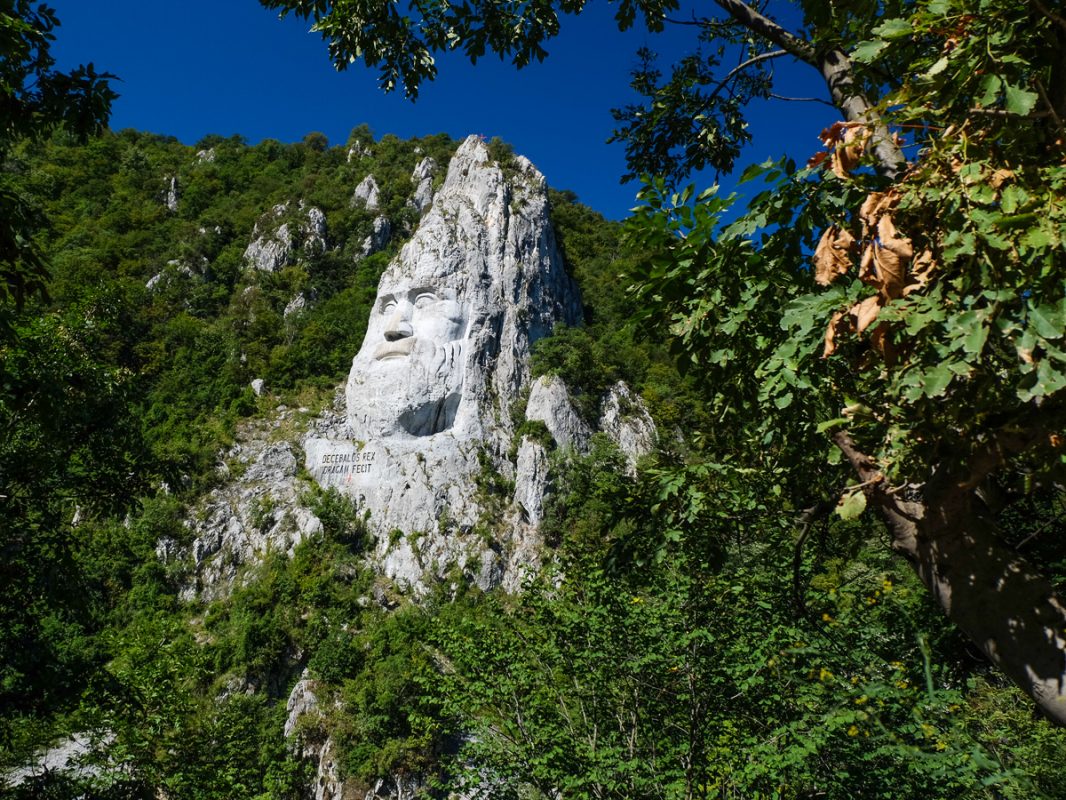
[423, 438]
[446, 355]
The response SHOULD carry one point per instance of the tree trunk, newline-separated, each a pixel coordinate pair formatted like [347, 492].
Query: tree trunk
[835, 68]
[994, 595]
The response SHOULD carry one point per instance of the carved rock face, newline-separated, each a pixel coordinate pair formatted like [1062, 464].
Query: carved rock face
[407, 379]
[446, 354]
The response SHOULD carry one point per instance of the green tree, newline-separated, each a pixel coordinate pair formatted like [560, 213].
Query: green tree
[35, 99]
[942, 343]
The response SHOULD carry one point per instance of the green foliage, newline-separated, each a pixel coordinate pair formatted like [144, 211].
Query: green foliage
[685, 643]
[689, 682]
[341, 520]
[403, 39]
[392, 723]
[37, 100]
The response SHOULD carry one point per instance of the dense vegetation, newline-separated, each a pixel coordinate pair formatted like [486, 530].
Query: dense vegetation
[669, 652]
[707, 628]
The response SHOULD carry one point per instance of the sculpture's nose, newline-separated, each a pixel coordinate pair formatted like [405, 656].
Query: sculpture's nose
[398, 325]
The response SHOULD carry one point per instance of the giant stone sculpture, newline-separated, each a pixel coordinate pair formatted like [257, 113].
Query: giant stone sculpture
[446, 354]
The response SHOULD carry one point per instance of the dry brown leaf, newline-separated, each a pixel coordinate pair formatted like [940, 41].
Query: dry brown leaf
[817, 159]
[838, 324]
[865, 312]
[867, 270]
[882, 344]
[1000, 177]
[831, 135]
[892, 252]
[832, 257]
[921, 272]
[846, 142]
[875, 205]
[855, 135]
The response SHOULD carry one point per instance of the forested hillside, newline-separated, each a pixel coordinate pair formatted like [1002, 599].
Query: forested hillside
[689, 637]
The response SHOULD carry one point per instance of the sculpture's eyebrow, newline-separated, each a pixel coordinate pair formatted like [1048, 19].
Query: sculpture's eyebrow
[385, 299]
[420, 290]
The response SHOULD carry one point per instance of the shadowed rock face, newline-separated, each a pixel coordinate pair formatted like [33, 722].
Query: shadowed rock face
[445, 356]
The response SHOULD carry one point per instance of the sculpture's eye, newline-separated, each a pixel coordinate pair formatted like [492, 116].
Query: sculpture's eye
[425, 299]
[389, 307]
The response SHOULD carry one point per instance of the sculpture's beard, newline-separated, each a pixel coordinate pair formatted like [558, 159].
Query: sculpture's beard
[393, 393]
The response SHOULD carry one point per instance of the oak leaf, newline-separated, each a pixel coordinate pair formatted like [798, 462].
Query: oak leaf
[881, 341]
[1000, 177]
[846, 142]
[876, 204]
[848, 153]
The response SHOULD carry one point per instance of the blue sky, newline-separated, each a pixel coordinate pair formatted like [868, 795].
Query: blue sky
[196, 67]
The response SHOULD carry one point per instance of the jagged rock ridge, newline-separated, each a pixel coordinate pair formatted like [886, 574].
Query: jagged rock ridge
[445, 356]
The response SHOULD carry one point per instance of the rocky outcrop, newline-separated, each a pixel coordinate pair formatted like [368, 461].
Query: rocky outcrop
[358, 150]
[275, 244]
[171, 195]
[422, 178]
[379, 236]
[446, 354]
[626, 420]
[256, 510]
[175, 270]
[367, 194]
[549, 402]
[295, 306]
[424, 436]
[304, 728]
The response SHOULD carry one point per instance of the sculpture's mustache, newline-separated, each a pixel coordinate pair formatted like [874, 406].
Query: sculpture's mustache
[395, 349]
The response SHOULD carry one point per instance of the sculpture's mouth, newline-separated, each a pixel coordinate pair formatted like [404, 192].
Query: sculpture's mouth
[397, 349]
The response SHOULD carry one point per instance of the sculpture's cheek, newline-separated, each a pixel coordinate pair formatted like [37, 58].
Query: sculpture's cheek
[440, 322]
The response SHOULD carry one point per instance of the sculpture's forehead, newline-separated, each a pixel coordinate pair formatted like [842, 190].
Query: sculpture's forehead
[401, 282]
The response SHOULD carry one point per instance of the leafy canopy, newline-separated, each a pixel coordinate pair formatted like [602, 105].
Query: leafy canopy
[35, 99]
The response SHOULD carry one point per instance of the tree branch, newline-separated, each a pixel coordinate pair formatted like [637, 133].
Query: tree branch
[742, 66]
[1012, 439]
[807, 520]
[1051, 15]
[864, 466]
[768, 29]
[1051, 106]
[801, 99]
[835, 67]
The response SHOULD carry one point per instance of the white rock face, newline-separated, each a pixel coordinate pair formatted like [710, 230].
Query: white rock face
[423, 435]
[237, 523]
[172, 194]
[358, 150]
[379, 236]
[627, 421]
[275, 245]
[205, 156]
[531, 480]
[303, 727]
[72, 758]
[422, 178]
[549, 402]
[295, 306]
[446, 353]
[367, 194]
